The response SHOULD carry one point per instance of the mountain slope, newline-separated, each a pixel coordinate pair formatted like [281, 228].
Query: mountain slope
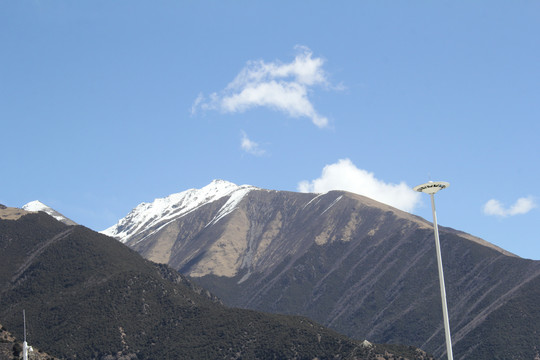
[10, 213]
[363, 268]
[88, 296]
[37, 205]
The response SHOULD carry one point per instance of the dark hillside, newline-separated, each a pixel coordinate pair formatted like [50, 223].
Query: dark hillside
[87, 296]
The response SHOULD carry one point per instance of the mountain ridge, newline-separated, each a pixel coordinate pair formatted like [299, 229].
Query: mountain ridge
[36, 205]
[172, 206]
[140, 225]
[161, 210]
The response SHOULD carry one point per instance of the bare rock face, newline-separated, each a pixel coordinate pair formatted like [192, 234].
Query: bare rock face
[361, 267]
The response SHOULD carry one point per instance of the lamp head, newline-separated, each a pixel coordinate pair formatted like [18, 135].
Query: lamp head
[431, 187]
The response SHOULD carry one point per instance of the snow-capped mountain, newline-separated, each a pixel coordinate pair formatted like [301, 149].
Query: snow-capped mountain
[36, 205]
[359, 266]
[162, 211]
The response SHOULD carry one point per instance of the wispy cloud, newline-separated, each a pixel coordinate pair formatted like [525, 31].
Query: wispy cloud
[279, 86]
[344, 175]
[521, 206]
[251, 146]
[197, 103]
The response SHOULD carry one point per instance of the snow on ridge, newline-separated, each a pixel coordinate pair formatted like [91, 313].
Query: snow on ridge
[332, 204]
[312, 200]
[36, 205]
[231, 204]
[164, 210]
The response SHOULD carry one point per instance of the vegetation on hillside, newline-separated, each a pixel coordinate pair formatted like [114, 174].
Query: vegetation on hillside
[87, 296]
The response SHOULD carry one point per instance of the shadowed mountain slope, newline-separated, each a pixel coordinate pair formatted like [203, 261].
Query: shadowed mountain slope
[358, 266]
[87, 296]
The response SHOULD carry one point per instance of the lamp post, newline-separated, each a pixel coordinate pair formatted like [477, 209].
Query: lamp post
[25, 344]
[431, 188]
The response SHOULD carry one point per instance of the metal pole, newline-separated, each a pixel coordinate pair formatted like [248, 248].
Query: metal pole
[25, 344]
[441, 283]
[24, 324]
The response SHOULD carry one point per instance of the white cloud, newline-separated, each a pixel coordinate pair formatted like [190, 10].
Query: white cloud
[344, 175]
[197, 103]
[279, 86]
[521, 206]
[250, 146]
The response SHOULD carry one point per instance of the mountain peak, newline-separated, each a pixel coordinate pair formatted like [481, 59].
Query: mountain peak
[221, 182]
[36, 205]
[163, 210]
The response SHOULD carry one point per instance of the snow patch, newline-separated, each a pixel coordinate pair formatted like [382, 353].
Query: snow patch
[164, 210]
[312, 200]
[36, 205]
[231, 204]
[332, 204]
[245, 277]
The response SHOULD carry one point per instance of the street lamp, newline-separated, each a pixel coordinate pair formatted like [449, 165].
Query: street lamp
[431, 188]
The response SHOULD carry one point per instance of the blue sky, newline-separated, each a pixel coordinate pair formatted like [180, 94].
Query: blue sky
[104, 105]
